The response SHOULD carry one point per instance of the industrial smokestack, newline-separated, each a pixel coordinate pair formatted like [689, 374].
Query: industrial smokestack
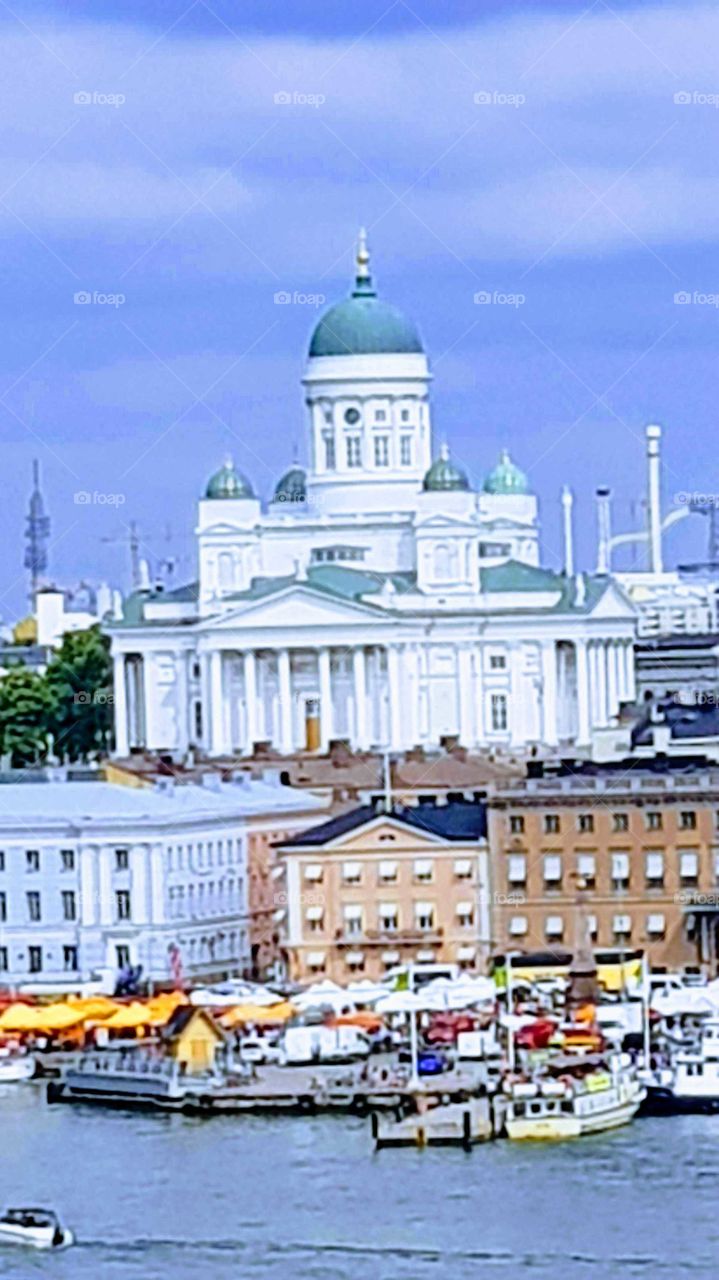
[604, 530]
[567, 503]
[654, 435]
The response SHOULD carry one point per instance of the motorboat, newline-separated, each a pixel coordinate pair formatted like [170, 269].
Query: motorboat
[690, 1084]
[35, 1228]
[572, 1097]
[15, 1065]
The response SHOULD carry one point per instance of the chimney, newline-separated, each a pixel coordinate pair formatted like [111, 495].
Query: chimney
[567, 504]
[340, 753]
[654, 435]
[604, 529]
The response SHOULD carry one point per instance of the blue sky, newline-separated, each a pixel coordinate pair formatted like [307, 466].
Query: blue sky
[576, 181]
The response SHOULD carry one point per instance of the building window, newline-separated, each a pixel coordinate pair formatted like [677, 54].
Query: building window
[516, 825]
[585, 823]
[688, 820]
[2, 859]
[622, 928]
[3, 960]
[354, 451]
[69, 906]
[518, 926]
[620, 871]
[463, 869]
[498, 704]
[122, 956]
[517, 869]
[122, 904]
[405, 451]
[380, 415]
[552, 872]
[551, 824]
[353, 919]
[424, 916]
[620, 821]
[653, 820]
[388, 917]
[587, 870]
[122, 859]
[656, 925]
[404, 415]
[388, 872]
[465, 914]
[352, 872]
[688, 868]
[328, 440]
[33, 907]
[69, 959]
[554, 928]
[381, 451]
[67, 859]
[32, 859]
[497, 662]
[314, 871]
[315, 919]
[352, 416]
[3, 906]
[423, 870]
[654, 869]
[34, 957]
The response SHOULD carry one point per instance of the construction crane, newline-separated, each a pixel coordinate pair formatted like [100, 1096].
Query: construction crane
[166, 565]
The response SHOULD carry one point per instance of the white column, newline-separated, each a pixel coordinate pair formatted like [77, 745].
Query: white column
[410, 708]
[549, 693]
[593, 681]
[395, 705]
[582, 692]
[464, 676]
[250, 686]
[654, 434]
[122, 742]
[157, 885]
[478, 694]
[325, 678]
[217, 737]
[105, 896]
[601, 684]
[286, 717]
[139, 884]
[147, 694]
[206, 700]
[631, 688]
[183, 703]
[612, 690]
[89, 895]
[360, 698]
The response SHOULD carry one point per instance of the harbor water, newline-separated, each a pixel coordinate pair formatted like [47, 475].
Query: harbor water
[154, 1197]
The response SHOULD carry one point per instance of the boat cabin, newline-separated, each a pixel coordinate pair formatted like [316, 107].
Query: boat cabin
[193, 1038]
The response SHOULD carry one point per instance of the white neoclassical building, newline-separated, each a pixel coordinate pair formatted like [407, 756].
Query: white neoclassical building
[376, 597]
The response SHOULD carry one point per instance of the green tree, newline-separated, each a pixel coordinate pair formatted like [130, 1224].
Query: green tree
[79, 684]
[25, 715]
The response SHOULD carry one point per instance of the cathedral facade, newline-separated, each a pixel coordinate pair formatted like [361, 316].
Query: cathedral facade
[376, 597]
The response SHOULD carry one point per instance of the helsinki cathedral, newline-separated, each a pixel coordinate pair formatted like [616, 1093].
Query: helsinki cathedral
[377, 596]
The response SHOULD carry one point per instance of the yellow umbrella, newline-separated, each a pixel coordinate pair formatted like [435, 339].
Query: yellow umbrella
[95, 1007]
[266, 1014]
[129, 1015]
[19, 1017]
[57, 1017]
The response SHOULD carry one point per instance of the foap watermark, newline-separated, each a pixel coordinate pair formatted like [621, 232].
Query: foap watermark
[87, 98]
[94, 298]
[307, 899]
[83, 498]
[696, 298]
[483, 298]
[285, 98]
[93, 697]
[692, 498]
[695, 98]
[287, 298]
[497, 98]
[697, 898]
[511, 899]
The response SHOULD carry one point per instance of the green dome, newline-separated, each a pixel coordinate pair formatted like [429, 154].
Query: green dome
[506, 478]
[292, 487]
[228, 483]
[444, 476]
[363, 325]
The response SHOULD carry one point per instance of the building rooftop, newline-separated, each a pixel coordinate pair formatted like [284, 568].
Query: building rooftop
[457, 821]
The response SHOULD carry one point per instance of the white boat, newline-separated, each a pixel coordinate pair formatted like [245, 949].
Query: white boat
[588, 1097]
[691, 1083]
[15, 1066]
[34, 1228]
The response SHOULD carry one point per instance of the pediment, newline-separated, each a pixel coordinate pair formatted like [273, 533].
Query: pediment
[614, 603]
[384, 836]
[445, 522]
[297, 607]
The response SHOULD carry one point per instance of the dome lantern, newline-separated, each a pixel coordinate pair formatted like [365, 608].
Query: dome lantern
[444, 476]
[363, 324]
[228, 483]
[506, 478]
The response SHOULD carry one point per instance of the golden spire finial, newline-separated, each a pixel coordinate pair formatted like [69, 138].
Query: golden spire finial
[362, 255]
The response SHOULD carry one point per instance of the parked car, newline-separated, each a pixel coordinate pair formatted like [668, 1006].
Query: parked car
[430, 1062]
[256, 1050]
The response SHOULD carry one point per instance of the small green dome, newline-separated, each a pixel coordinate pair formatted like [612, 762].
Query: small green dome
[444, 476]
[228, 483]
[362, 324]
[506, 478]
[292, 486]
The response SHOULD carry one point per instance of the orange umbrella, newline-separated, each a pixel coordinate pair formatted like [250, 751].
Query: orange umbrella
[264, 1015]
[58, 1017]
[19, 1017]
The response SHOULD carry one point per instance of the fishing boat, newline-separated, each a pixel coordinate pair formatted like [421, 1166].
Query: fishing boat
[34, 1228]
[15, 1065]
[572, 1097]
[690, 1084]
